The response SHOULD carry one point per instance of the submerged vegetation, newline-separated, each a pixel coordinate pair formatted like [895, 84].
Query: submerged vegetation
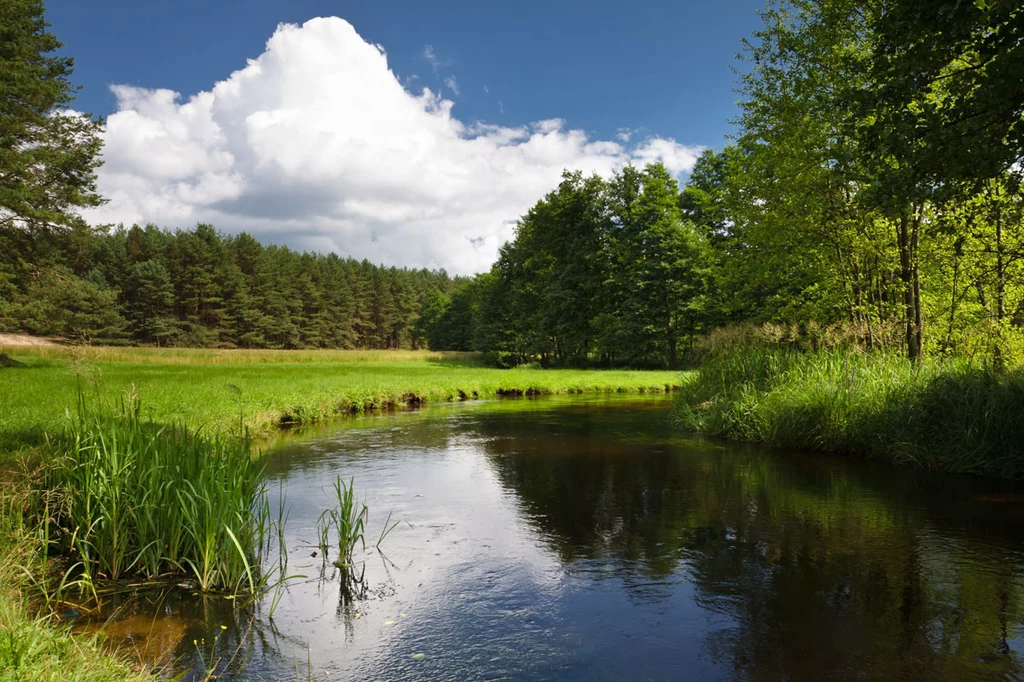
[955, 415]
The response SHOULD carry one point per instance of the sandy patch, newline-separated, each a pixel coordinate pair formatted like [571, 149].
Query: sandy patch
[26, 340]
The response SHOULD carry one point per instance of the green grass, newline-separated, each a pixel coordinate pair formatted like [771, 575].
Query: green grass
[953, 415]
[36, 395]
[132, 499]
[34, 647]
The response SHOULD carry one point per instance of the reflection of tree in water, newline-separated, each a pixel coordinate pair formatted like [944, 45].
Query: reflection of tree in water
[827, 570]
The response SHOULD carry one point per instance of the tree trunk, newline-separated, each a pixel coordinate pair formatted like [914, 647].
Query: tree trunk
[673, 342]
[918, 311]
[1000, 287]
[907, 237]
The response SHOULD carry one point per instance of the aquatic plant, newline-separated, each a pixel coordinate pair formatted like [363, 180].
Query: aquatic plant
[136, 499]
[348, 519]
[33, 644]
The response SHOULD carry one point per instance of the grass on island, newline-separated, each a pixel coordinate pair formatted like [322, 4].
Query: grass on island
[951, 415]
[213, 389]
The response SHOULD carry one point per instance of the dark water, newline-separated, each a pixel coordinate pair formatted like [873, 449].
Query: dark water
[589, 540]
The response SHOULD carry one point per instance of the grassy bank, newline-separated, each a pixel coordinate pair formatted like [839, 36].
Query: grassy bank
[131, 499]
[112, 497]
[266, 388]
[954, 416]
[34, 646]
[139, 493]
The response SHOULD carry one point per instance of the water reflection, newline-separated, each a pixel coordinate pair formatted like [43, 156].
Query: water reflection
[588, 540]
[822, 569]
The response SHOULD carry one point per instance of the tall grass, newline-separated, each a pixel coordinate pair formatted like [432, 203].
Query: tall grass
[954, 415]
[133, 499]
[34, 646]
[217, 356]
[348, 519]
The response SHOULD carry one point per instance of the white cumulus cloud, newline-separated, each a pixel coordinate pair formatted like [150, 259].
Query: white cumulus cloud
[317, 144]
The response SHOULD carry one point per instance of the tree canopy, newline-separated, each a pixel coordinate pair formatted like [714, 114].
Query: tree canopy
[871, 195]
[48, 154]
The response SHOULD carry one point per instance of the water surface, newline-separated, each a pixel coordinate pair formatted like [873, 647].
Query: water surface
[588, 539]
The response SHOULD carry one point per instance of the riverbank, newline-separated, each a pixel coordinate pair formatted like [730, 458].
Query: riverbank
[215, 390]
[954, 415]
[35, 646]
[265, 389]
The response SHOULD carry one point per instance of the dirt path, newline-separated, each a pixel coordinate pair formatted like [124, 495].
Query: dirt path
[26, 340]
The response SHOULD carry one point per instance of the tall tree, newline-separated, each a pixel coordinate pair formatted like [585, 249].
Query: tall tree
[48, 155]
[947, 82]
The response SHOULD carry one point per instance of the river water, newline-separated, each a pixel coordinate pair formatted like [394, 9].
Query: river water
[588, 539]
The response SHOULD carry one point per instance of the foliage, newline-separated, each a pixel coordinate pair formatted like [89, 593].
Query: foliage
[945, 84]
[56, 303]
[48, 154]
[200, 288]
[839, 202]
[599, 271]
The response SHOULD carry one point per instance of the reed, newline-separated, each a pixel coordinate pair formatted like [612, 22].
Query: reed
[138, 500]
[954, 415]
[33, 644]
[348, 519]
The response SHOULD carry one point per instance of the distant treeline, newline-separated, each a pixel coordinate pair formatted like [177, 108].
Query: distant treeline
[199, 287]
[873, 195]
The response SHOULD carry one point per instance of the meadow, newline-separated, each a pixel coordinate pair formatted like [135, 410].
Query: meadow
[265, 389]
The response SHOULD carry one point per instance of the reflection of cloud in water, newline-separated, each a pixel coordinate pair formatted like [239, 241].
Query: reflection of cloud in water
[461, 572]
[594, 543]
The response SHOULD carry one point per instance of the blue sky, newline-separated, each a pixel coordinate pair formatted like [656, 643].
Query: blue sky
[659, 70]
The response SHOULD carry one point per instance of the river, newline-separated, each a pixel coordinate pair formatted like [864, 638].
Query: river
[588, 539]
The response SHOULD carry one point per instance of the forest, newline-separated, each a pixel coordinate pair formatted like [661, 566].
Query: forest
[871, 197]
[202, 288]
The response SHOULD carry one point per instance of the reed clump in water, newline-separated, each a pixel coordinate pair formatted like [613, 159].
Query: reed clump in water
[133, 499]
[954, 415]
[347, 519]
